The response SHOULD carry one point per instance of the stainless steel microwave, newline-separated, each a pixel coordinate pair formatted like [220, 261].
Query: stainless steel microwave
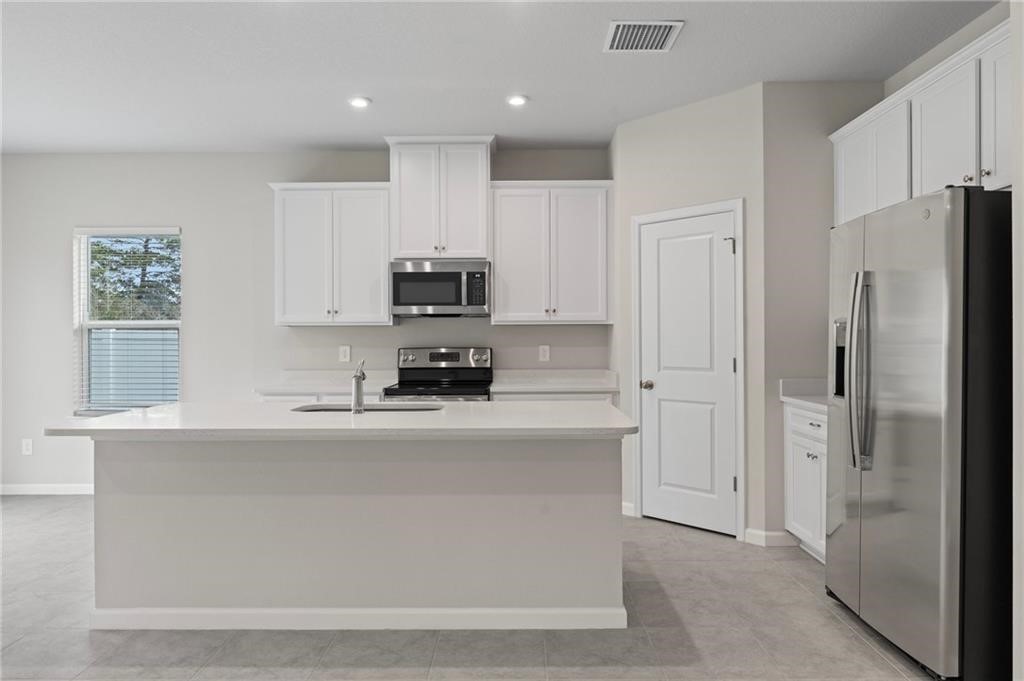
[440, 288]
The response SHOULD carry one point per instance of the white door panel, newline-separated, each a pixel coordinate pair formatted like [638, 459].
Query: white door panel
[521, 259]
[687, 302]
[997, 94]
[361, 257]
[464, 189]
[579, 235]
[945, 131]
[303, 253]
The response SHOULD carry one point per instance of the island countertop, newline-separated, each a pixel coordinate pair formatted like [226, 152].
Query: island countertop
[276, 421]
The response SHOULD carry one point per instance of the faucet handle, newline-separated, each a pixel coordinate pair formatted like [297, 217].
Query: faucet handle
[360, 374]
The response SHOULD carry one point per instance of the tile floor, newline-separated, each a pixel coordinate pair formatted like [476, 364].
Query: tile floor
[701, 606]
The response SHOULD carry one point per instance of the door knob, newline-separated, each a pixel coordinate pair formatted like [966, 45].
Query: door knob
[647, 384]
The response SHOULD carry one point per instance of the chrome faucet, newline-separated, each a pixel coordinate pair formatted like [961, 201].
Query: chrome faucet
[357, 388]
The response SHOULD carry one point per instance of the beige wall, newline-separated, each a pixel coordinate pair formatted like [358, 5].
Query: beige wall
[229, 341]
[700, 153]
[798, 211]
[768, 145]
[947, 47]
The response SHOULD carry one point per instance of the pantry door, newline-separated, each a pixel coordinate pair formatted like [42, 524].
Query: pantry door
[688, 380]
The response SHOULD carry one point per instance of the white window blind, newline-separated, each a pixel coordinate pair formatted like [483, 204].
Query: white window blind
[128, 317]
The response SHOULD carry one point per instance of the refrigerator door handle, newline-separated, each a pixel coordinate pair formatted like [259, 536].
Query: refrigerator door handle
[852, 365]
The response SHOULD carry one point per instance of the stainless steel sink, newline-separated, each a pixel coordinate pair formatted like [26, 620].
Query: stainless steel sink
[373, 406]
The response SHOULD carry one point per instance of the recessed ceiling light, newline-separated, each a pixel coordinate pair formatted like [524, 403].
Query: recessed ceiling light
[359, 102]
[517, 100]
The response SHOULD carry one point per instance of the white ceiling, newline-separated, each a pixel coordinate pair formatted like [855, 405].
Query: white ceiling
[237, 76]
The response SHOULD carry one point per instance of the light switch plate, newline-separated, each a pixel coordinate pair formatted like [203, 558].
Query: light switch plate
[26, 446]
[545, 353]
[344, 353]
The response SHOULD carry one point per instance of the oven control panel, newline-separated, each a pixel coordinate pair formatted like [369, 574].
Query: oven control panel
[444, 358]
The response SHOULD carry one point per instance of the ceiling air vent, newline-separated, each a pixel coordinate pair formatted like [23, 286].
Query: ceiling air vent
[642, 36]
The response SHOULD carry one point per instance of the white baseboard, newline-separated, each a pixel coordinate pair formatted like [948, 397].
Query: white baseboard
[769, 538]
[46, 489]
[359, 618]
[628, 509]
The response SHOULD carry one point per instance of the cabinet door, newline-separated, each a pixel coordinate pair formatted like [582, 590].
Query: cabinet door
[414, 201]
[302, 245]
[521, 257]
[804, 490]
[855, 175]
[945, 123]
[361, 257]
[892, 157]
[465, 185]
[579, 257]
[996, 112]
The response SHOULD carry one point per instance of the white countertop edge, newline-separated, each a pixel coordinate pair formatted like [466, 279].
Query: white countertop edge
[815, 403]
[335, 434]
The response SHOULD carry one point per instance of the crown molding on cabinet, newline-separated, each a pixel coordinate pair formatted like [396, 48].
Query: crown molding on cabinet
[443, 139]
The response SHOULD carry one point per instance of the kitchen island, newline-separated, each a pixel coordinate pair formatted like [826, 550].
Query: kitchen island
[251, 516]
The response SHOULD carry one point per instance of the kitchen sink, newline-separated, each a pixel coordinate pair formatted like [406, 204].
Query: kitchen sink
[373, 406]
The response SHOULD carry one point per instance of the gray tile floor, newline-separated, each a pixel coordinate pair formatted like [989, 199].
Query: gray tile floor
[701, 606]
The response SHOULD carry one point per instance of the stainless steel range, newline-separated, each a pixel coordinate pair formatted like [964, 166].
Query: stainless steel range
[455, 374]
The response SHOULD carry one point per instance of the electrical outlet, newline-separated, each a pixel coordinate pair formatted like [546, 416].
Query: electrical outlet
[344, 353]
[26, 446]
[545, 353]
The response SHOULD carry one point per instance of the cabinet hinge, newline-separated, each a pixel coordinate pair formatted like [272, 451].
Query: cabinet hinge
[734, 365]
[734, 484]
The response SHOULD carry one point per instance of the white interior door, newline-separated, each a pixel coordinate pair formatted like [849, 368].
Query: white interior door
[687, 349]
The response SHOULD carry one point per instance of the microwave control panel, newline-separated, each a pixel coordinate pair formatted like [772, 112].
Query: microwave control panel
[476, 288]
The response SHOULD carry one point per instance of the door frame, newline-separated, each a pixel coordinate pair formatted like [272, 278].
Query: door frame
[638, 222]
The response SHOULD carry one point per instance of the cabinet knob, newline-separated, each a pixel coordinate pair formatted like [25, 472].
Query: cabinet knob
[547, 310]
[554, 310]
[968, 179]
[335, 312]
[985, 172]
[327, 312]
[436, 248]
[812, 424]
[812, 456]
[444, 248]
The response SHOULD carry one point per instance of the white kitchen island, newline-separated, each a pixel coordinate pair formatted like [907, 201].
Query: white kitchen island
[251, 515]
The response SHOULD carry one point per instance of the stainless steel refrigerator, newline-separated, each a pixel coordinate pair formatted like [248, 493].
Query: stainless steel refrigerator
[918, 506]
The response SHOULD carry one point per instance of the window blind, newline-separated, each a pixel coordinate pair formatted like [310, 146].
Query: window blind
[128, 291]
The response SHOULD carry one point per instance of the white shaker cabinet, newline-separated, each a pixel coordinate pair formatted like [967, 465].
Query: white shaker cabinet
[872, 165]
[805, 477]
[331, 260]
[550, 253]
[996, 116]
[439, 197]
[946, 132]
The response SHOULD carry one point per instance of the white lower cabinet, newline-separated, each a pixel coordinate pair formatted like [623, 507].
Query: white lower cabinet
[331, 254]
[550, 253]
[805, 478]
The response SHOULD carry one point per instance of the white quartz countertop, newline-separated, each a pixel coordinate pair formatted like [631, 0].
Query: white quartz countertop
[506, 381]
[276, 421]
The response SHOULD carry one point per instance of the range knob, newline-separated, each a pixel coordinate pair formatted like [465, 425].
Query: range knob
[477, 357]
[410, 357]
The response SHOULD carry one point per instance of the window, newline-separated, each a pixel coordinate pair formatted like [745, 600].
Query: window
[128, 317]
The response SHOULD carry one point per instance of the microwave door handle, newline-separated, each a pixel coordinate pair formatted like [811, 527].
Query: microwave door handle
[853, 366]
[465, 288]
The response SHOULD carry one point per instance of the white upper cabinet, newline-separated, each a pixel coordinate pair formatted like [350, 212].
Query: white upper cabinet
[302, 251]
[550, 253]
[945, 131]
[331, 254]
[996, 116]
[465, 186]
[873, 165]
[951, 126]
[415, 200]
[439, 197]
[579, 243]
[521, 257]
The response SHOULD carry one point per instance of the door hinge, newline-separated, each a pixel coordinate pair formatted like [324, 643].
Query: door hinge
[732, 242]
[734, 365]
[734, 484]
